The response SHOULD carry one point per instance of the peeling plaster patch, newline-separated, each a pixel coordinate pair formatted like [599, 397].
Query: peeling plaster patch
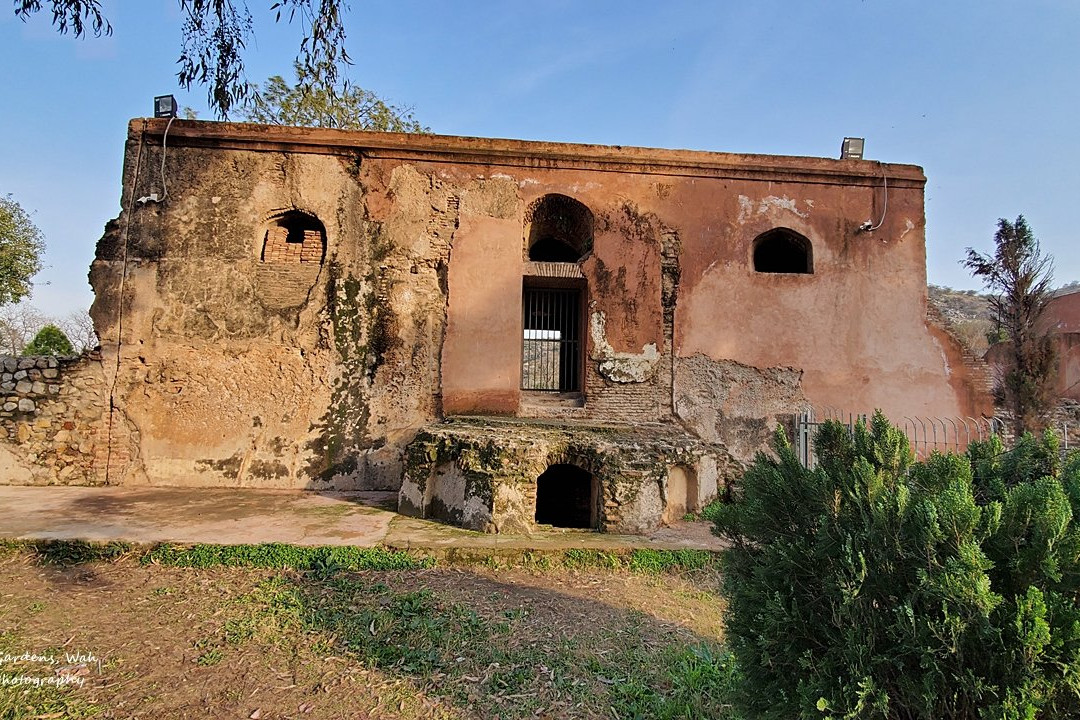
[748, 208]
[908, 227]
[621, 367]
[501, 176]
[476, 513]
[945, 365]
[809, 203]
[528, 181]
[737, 405]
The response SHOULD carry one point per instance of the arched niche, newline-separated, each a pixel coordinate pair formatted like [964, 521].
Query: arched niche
[558, 229]
[782, 250]
[567, 496]
[294, 237]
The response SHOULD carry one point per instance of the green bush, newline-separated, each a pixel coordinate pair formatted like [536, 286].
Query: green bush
[50, 340]
[877, 587]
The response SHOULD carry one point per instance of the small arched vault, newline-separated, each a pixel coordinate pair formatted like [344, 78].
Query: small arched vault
[558, 228]
[515, 476]
[782, 250]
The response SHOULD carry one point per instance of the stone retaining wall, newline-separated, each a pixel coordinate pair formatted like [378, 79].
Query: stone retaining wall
[54, 421]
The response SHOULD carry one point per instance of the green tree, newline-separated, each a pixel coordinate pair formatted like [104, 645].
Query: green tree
[304, 104]
[877, 587]
[215, 35]
[1019, 278]
[21, 245]
[50, 340]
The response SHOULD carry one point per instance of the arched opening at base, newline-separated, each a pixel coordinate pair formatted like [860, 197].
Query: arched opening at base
[682, 493]
[567, 497]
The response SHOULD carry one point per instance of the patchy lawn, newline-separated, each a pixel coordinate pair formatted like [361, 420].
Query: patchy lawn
[127, 633]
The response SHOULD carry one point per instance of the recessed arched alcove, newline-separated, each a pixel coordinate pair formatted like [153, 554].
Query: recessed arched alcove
[559, 229]
[681, 493]
[567, 496]
[782, 250]
[294, 237]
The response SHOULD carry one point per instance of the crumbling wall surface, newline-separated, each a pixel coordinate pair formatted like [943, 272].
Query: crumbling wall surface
[55, 425]
[628, 344]
[238, 370]
[736, 405]
[971, 376]
[482, 473]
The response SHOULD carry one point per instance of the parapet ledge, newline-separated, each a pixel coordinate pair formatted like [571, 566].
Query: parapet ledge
[525, 153]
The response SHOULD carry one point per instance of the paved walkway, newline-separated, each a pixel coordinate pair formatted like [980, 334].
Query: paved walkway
[244, 515]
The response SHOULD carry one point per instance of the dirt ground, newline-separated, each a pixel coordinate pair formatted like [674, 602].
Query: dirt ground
[147, 641]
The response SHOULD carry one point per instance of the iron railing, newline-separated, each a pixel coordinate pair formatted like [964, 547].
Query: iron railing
[926, 434]
[551, 345]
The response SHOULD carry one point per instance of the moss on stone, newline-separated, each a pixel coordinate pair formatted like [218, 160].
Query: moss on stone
[490, 453]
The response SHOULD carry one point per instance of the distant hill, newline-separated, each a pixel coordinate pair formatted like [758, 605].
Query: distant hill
[960, 305]
[968, 312]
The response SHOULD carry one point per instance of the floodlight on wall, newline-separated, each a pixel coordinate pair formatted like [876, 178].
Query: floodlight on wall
[852, 148]
[165, 106]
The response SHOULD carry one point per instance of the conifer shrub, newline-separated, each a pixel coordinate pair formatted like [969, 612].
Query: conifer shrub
[875, 586]
[50, 340]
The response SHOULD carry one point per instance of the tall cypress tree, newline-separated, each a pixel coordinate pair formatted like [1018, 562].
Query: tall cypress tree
[1018, 276]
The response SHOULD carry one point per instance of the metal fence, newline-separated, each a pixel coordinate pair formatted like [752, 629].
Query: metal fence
[551, 345]
[926, 434]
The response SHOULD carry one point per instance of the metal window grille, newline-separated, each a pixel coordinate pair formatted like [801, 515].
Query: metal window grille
[551, 346]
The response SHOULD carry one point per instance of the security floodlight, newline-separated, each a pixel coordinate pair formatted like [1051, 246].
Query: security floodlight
[165, 106]
[852, 149]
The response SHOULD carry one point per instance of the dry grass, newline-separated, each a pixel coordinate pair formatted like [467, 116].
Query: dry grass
[457, 642]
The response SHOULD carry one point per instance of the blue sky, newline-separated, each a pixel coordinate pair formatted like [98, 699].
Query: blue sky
[984, 95]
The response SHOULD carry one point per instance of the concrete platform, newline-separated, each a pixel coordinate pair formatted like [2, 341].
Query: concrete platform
[244, 515]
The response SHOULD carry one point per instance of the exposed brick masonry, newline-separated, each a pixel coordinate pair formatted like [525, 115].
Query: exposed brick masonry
[279, 249]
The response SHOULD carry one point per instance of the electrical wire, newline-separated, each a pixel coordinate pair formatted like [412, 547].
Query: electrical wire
[164, 138]
[126, 212]
[885, 209]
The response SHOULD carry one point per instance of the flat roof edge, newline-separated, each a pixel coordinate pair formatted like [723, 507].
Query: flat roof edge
[499, 151]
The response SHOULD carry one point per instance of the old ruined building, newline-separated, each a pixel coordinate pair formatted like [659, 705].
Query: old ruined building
[1062, 320]
[507, 333]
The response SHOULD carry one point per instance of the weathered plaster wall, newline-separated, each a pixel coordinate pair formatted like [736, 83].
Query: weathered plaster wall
[629, 373]
[1069, 365]
[1067, 375]
[1063, 312]
[481, 356]
[238, 372]
[311, 366]
[856, 327]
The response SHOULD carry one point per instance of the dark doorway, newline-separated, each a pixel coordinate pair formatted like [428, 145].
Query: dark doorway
[566, 497]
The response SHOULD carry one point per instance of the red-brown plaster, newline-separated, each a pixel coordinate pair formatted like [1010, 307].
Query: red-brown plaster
[481, 357]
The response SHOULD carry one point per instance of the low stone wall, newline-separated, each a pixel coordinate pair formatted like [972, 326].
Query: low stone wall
[53, 421]
[481, 473]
